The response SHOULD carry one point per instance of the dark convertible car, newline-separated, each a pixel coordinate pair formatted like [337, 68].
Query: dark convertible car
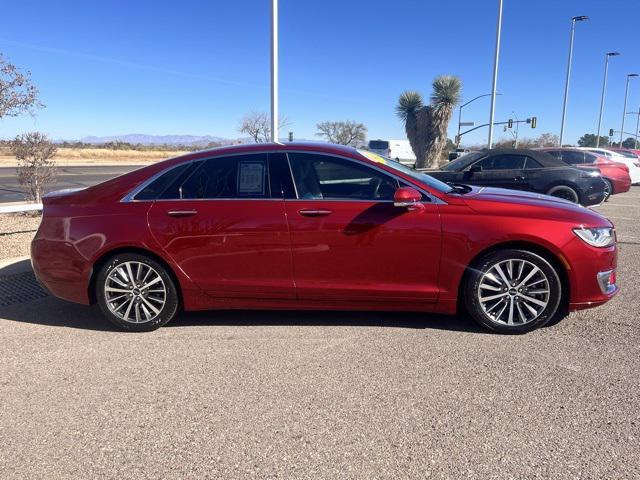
[529, 170]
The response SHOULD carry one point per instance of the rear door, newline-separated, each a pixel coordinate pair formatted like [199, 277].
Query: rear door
[502, 170]
[224, 225]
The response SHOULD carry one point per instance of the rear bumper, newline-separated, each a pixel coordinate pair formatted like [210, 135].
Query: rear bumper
[61, 270]
[620, 185]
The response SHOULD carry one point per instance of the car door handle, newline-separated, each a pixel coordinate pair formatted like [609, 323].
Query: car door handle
[308, 212]
[519, 178]
[181, 213]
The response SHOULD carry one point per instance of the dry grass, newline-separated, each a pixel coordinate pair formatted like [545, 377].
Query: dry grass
[89, 156]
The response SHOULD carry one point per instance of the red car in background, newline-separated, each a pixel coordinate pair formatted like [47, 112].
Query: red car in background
[615, 174]
[318, 226]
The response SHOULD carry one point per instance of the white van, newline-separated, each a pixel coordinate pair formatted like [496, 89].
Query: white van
[398, 150]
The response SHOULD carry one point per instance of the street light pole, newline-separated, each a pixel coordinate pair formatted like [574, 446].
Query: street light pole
[637, 127]
[566, 83]
[496, 58]
[604, 88]
[274, 71]
[464, 105]
[624, 109]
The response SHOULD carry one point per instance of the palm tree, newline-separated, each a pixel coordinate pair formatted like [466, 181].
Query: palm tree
[426, 125]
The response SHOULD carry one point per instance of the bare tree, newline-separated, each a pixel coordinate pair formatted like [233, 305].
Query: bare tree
[343, 133]
[36, 168]
[17, 93]
[258, 126]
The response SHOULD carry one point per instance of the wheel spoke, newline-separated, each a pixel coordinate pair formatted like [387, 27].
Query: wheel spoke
[493, 297]
[535, 301]
[533, 271]
[510, 318]
[502, 275]
[521, 314]
[152, 282]
[490, 287]
[150, 305]
[117, 290]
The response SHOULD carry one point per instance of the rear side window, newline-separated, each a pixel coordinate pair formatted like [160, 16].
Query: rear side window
[154, 189]
[531, 163]
[503, 162]
[240, 176]
[321, 176]
[589, 158]
[573, 158]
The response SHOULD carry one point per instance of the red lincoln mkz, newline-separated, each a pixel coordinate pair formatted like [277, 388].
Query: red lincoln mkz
[307, 226]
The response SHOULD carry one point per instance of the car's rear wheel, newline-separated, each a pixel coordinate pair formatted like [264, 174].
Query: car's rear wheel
[512, 291]
[565, 192]
[135, 292]
[608, 189]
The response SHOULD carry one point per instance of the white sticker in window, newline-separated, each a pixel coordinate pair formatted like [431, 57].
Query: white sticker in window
[251, 178]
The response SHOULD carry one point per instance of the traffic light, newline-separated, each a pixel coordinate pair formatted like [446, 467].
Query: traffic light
[291, 136]
[457, 140]
[534, 122]
[510, 123]
[611, 132]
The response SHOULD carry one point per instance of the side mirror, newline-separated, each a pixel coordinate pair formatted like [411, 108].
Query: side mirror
[475, 168]
[407, 197]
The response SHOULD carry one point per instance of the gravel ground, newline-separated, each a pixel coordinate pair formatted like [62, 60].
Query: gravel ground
[325, 395]
[16, 233]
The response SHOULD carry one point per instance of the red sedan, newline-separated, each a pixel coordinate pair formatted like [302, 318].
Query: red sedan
[307, 226]
[615, 174]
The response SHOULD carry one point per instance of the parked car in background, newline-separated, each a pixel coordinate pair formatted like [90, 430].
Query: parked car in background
[529, 170]
[615, 174]
[626, 152]
[398, 150]
[310, 226]
[458, 152]
[628, 160]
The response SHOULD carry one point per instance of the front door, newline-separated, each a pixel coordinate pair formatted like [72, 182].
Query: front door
[225, 227]
[350, 243]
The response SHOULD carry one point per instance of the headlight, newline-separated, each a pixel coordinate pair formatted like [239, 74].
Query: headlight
[597, 236]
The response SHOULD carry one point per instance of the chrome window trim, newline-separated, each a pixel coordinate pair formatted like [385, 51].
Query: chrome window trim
[129, 198]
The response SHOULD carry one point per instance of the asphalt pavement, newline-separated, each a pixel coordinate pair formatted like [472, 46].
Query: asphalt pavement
[68, 177]
[325, 395]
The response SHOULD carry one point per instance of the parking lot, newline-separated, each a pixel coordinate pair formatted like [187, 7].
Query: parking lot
[325, 395]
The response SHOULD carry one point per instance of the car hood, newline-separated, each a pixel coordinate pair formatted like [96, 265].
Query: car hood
[500, 201]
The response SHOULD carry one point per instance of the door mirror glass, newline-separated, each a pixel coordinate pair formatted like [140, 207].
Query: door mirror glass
[406, 197]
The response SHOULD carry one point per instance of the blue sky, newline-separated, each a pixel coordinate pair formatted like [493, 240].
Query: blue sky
[195, 67]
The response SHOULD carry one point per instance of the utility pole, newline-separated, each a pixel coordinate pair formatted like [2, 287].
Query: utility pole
[274, 71]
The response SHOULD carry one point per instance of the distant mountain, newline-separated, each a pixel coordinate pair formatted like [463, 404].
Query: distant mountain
[135, 138]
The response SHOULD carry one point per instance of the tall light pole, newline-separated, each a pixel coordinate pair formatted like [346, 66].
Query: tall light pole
[579, 18]
[624, 109]
[460, 112]
[637, 126]
[274, 70]
[604, 89]
[496, 58]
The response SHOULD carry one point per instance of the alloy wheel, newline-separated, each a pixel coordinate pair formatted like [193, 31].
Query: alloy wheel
[135, 292]
[513, 292]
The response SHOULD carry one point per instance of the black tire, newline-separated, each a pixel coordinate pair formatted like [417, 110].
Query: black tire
[608, 189]
[484, 312]
[565, 192]
[144, 300]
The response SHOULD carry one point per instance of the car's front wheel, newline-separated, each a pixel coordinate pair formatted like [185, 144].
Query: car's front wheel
[565, 192]
[512, 291]
[136, 293]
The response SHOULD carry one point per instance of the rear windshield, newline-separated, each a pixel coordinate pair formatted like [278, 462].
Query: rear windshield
[378, 145]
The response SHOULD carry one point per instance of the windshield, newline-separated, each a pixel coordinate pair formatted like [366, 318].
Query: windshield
[461, 162]
[421, 177]
[624, 153]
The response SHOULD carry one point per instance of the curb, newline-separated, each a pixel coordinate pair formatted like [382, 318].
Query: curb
[15, 266]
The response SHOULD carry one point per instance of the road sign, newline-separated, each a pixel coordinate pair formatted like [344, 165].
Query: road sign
[467, 124]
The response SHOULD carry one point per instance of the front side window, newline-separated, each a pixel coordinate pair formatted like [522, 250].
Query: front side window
[531, 163]
[157, 187]
[239, 176]
[324, 177]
